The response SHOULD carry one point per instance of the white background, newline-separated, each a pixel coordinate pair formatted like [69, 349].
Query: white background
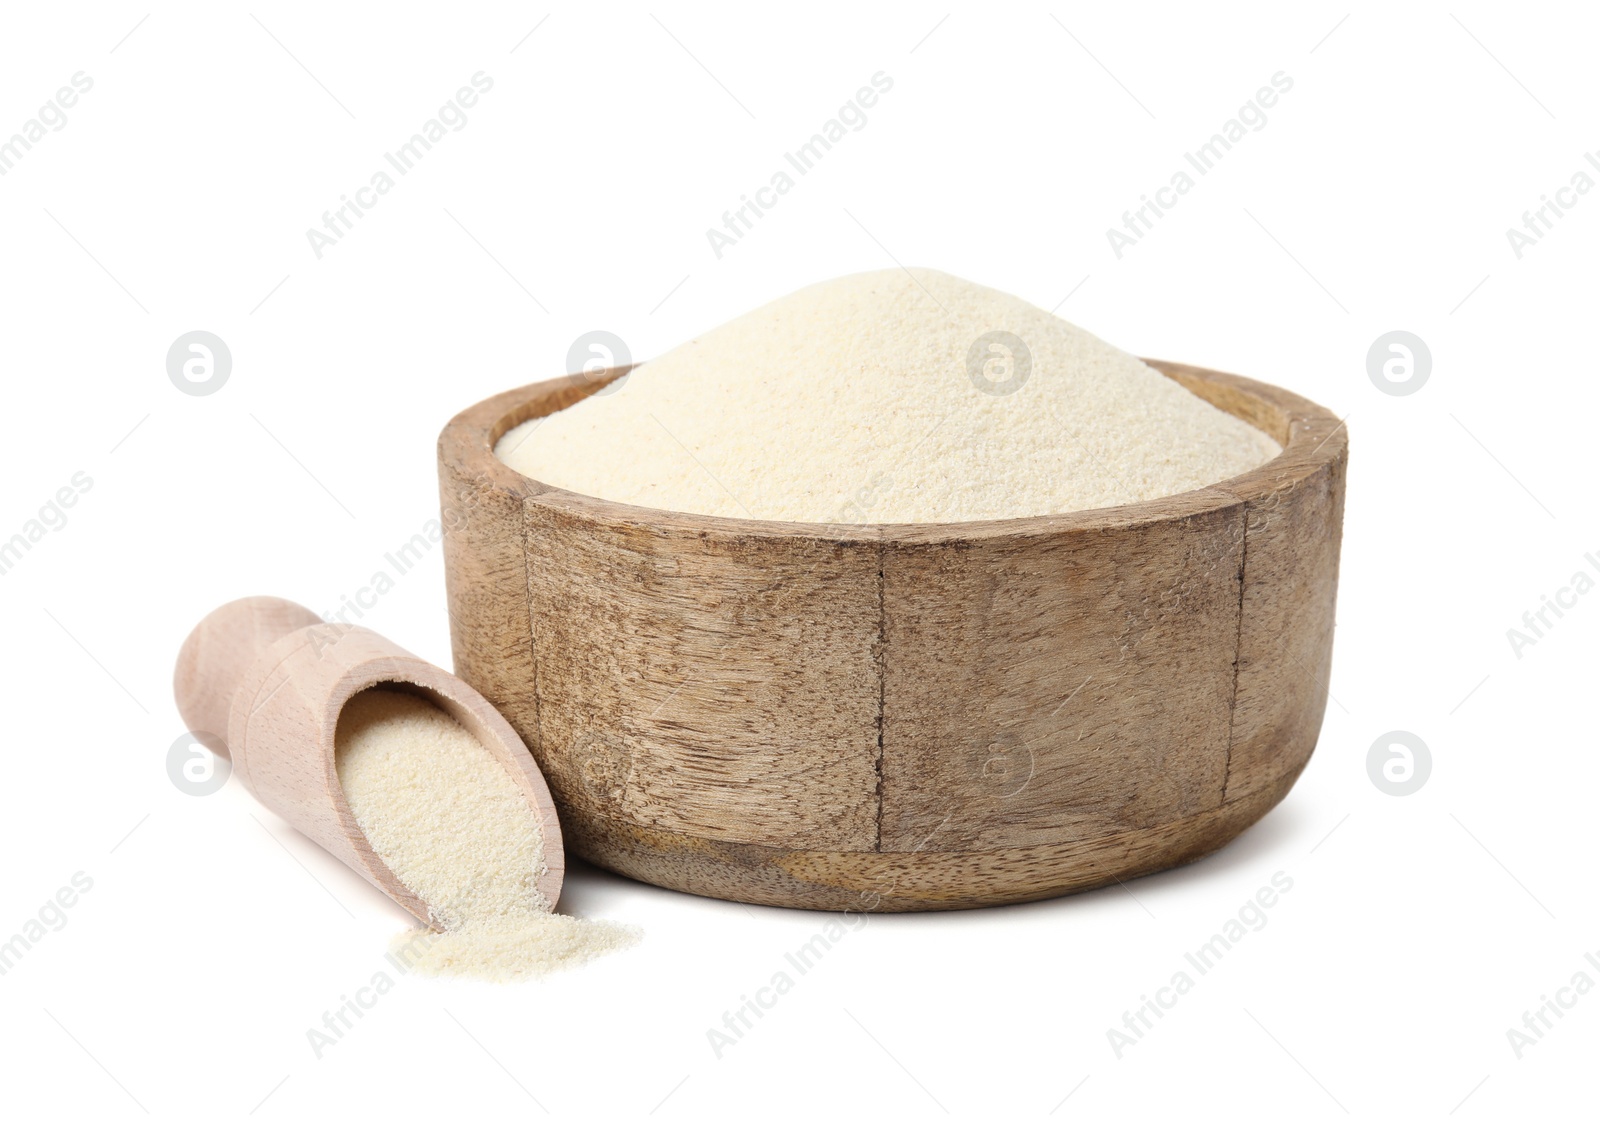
[177, 197]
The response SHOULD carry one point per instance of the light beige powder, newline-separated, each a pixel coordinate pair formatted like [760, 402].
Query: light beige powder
[853, 401]
[452, 824]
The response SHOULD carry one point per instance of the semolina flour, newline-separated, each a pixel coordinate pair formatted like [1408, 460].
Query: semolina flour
[892, 396]
[455, 828]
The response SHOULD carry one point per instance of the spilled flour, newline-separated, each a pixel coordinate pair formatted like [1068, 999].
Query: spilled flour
[893, 396]
[453, 825]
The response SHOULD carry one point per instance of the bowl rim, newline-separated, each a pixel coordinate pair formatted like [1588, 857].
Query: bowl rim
[1311, 436]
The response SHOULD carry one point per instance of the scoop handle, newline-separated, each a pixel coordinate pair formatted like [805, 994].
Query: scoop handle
[219, 650]
[268, 679]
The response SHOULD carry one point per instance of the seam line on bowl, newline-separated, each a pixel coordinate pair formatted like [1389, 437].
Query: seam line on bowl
[1238, 642]
[881, 664]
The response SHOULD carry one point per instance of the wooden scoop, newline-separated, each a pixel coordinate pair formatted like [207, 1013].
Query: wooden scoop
[273, 677]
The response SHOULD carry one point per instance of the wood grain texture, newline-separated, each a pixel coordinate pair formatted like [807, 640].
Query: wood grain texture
[284, 692]
[978, 712]
[914, 880]
[1295, 508]
[672, 666]
[1062, 686]
[481, 510]
[214, 658]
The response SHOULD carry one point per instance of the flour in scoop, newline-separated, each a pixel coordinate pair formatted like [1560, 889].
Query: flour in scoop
[455, 828]
[893, 396]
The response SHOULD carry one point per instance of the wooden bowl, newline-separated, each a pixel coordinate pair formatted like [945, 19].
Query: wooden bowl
[892, 717]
